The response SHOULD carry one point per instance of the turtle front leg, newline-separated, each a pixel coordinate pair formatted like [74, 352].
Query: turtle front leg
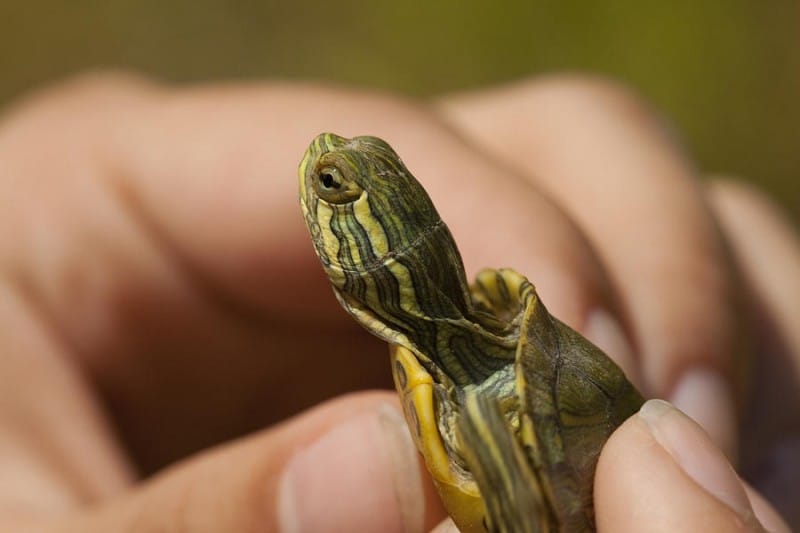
[506, 480]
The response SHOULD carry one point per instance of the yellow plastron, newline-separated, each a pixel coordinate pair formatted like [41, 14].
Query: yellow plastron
[415, 386]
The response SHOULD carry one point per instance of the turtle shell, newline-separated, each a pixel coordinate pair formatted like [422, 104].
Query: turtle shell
[569, 398]
[572, 397]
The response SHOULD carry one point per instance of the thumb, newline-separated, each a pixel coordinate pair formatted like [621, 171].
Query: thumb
[660, 472]
[348, 465]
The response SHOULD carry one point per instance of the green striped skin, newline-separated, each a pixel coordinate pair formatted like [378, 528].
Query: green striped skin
[393, 261]
[505, 469]
[524, 404]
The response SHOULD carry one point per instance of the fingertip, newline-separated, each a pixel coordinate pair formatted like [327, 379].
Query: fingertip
[660, 472]
[765, 513]
[766, 246]
[360, 472]
[362, 475]
[707, 397]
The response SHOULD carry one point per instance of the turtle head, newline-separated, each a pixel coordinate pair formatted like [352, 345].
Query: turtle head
[367, 204]
[384, 247]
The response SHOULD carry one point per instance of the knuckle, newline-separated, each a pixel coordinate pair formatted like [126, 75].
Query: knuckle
[733, 191]
[103, 80]
[79, 96]
[582, 93]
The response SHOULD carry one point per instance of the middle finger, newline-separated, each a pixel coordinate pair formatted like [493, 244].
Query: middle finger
[606, 159]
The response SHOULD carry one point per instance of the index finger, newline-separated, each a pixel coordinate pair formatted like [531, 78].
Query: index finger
[203, 311]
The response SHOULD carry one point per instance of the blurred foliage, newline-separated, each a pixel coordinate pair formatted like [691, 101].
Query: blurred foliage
[727, 72]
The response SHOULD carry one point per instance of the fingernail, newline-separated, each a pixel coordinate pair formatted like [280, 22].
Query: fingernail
[607, 334]
[362, 475]
[696, 454]
[445, 526]
[706, 397]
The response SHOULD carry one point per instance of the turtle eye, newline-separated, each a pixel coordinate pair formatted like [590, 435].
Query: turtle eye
[327, 179]
[331, 186]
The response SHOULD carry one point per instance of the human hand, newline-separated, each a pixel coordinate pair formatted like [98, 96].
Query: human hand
[703, 280]
[158, 280]
[159, 296]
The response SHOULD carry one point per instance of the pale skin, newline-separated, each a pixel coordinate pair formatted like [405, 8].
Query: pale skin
[160, 296]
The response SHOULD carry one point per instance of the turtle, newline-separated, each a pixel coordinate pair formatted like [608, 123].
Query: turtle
[508, 405]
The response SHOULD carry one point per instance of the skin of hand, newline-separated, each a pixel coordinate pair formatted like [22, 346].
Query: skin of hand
[160, 298]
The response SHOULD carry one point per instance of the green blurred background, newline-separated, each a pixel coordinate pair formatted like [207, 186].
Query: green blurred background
[726, 72]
